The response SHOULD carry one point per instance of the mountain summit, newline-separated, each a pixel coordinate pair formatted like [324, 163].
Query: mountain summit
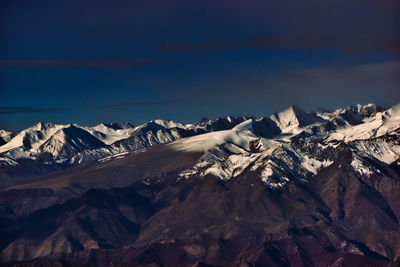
[291, 119]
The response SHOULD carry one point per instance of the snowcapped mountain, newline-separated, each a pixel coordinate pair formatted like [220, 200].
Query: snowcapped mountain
[53, 146]
[50, 143]
[290, 156]
[5, 137]
[318, 188]
[293, 119]
[381, 123]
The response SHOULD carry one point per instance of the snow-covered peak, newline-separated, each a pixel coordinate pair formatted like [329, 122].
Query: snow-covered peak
[33, 137]
[351, 115]
[103, 127]
[390, 120]
[4, 132]
[5, 136]
[169, 124]
[393, 112]
[42, 126]
[111, 132]
[292, 118]
[70, 139]
[240, 135]
[84, 144]
[118, 125]
[382, 123]
[219, 124]
[245, 126]
[368, 109]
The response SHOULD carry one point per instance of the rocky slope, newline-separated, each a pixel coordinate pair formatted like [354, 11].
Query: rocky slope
[295, 189]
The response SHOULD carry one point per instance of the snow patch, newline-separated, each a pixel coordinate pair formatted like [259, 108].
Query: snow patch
[267, 177]
[360, 168]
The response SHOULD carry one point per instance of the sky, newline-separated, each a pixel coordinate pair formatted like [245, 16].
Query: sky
[96, 61]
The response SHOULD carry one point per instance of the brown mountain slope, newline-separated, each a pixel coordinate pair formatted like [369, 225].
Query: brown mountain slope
[336, 218]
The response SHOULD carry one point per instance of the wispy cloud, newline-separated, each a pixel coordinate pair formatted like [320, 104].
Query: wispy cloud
[100, 63]
[140, 103]
[15, 110]
[351, 43]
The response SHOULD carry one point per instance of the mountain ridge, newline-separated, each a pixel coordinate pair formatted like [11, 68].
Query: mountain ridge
[25, 143]
[230, 191]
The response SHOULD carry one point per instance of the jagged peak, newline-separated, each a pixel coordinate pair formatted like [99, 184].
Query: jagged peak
[288, 122]
[292, 110]
[365, 110]
[293, 117]
[118, 125]
[168, 123]
[43, 125]
[394, 111]
[217, 124]
[4, 132]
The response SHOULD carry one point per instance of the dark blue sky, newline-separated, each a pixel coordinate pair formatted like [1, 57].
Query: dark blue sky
[104, 61]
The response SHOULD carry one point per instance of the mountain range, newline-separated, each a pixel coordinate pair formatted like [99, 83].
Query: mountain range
[296, 188]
